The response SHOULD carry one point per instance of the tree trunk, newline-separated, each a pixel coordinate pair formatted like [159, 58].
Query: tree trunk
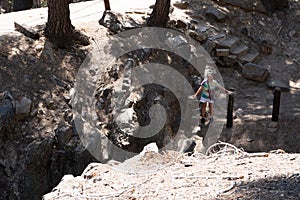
[22, 5]
[106, 4]
[36, 3]
[6, 5]
[160, 14]
[59, 29]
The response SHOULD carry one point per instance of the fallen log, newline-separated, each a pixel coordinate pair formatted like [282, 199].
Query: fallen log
[28, 32]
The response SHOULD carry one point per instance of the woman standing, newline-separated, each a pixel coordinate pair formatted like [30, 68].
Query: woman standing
[207, 89]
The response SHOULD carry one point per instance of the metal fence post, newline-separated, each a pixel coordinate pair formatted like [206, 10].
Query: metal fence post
[229, 123]
[276, 104]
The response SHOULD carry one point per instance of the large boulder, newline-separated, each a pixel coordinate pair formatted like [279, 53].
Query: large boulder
[255, 72]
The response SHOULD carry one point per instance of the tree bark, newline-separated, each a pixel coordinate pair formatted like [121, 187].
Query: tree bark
[22, 5]
[36, 3]
[160, 14]
[59, 29]
[6, 5]
[106, 4]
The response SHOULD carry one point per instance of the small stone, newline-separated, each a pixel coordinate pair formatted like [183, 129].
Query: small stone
[261, 23]
[249, 139]
[230, 60]
[128, 23]
[181, 24]
[255, 72]
[216, 14]
[111, 21]
[196, 129]
[7, 95]
[152, 147]
[39, 47]
[228, 43]
[238, 113]
[185, 145]
[239, 50]
[126, 118]
[50, 104]
[181, 5]
[59, 82]
[295, 84]
[209, 46]
[200, 37]
[33, 112]
[23, 106]
[265, 47]
[63, 135]
[292, 33]
[27, 78]
[193, 21]
[249, 57]
[273, 125]
[222, 52]
[218, 36]
[191, 26]
[202, 29]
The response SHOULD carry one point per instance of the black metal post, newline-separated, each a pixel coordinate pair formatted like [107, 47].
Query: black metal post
[276, 104]
[229, 123]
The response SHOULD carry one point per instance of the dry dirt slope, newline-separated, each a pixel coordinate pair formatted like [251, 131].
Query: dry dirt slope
[224, 175]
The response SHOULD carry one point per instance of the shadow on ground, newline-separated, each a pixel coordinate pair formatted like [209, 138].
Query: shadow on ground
[33, 159]
[277, 188]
